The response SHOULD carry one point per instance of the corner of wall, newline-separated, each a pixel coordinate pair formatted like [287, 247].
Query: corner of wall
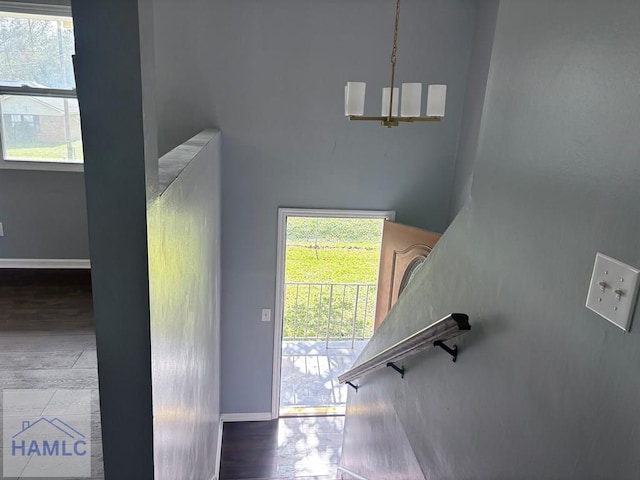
[479, 65]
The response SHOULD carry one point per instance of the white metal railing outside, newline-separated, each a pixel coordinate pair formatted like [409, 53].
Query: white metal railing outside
[329, 311]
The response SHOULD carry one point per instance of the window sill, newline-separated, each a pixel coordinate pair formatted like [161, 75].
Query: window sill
[42, 166]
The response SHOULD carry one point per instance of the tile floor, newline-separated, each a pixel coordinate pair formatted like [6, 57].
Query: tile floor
[48, 362]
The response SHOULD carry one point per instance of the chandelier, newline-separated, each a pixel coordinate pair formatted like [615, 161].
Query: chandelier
[410, 101]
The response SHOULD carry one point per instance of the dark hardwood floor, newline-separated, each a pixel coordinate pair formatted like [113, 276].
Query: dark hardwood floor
[47, 347]
[289, 448]
[46, 300]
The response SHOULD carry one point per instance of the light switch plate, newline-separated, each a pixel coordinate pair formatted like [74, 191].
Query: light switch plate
[1, 230]
[613, 291]
[266, 315]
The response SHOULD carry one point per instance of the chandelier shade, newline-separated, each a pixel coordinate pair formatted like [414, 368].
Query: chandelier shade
[436, 100]
[386, 99]
[354, 96]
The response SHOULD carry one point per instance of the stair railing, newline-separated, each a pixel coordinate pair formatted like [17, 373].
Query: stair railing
[451, 326]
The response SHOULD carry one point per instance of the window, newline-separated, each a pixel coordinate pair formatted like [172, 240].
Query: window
[39, 113]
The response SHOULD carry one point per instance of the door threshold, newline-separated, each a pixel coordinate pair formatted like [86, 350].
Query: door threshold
[301, 411]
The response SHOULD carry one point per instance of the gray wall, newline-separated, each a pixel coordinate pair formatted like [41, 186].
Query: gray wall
[110, 93]
[474, 101]
[184, 275]
[44, 215]
[156, 275]
[183, 72]
[278, 71]
[543, 388]
[185, 242]
[47, 2]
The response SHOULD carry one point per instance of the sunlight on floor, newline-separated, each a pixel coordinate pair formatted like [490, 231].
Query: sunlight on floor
[310, 373]
[313, 442]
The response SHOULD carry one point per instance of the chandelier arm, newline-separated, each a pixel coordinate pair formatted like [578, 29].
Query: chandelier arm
[395, 119]
[394, 52]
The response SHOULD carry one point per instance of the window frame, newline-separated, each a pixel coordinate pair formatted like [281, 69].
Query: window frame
[46, 10]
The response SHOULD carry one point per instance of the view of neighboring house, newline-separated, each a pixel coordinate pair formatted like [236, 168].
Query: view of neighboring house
[30, 120]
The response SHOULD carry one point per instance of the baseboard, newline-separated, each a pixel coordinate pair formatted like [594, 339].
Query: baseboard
[352, 475]
[52, 263]
[246, 417]
[218, 450]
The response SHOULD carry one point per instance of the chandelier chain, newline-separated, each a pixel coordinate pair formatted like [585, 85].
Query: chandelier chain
[394, 50]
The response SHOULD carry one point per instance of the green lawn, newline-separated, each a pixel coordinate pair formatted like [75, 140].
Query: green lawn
[331, 251]
[53, 152]
[334, 230]
[332, 264]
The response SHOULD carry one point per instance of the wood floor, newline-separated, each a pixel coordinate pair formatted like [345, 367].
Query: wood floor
[290, 448]
[47, 346]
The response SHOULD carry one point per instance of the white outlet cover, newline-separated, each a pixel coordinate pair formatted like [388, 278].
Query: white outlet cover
[613, 276]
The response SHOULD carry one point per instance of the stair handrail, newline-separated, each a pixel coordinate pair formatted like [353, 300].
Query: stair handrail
[451, 326]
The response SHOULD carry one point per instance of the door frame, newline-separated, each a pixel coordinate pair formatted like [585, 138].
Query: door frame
[278, 319]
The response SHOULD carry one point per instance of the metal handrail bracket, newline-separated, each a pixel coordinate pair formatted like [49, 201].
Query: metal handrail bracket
[450, 326]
